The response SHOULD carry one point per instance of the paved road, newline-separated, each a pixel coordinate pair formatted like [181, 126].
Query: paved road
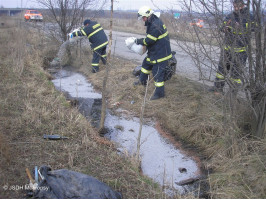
[185, 66]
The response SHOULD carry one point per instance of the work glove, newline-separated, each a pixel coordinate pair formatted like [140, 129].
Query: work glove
[136, 41]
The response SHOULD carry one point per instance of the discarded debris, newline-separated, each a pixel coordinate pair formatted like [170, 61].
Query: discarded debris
[54, 137]
[190, 180]
[55, 62]
[182, 170]
[116, 104]
[118, 127]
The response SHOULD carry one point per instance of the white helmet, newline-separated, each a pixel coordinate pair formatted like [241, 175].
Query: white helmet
[144, 11]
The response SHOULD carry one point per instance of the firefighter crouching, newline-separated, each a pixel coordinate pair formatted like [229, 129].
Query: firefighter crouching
[98, 40]
[159, 51]
[234, 53]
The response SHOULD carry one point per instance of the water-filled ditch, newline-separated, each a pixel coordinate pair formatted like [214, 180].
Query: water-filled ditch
[160, 160]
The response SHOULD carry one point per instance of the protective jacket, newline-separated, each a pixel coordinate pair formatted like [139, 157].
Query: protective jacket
[95, 34]
[157, 41]
[235, 27]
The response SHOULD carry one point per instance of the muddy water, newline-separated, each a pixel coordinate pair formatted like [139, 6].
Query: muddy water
[160, 160]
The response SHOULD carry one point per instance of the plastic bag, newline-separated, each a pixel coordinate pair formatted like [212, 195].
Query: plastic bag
[66, 184]
[70, 35]
[139, 49]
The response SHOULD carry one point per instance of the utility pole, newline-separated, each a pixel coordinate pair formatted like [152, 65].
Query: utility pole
[111, 30]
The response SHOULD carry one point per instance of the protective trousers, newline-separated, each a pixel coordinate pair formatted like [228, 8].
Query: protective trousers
[231, 63]
[97, 55]
[158, 71]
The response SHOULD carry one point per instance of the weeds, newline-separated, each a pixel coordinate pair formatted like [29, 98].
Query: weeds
[30, 107]
[197, 119]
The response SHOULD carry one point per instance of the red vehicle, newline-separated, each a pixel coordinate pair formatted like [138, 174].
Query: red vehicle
[33, 15]
[197, 22]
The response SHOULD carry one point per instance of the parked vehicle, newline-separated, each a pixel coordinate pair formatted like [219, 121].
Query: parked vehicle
[33, 15]
[197, 22]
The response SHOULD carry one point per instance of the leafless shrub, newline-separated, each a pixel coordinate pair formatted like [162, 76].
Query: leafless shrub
[67, 15]
[203, 45]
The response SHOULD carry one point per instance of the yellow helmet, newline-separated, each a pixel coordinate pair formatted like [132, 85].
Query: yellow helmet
[144, 11]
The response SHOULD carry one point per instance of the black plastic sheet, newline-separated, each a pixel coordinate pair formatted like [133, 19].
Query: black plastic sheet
[66, 184]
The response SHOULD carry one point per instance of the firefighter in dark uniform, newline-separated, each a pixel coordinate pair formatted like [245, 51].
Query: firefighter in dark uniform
[98, 40]
[234, 53]
[159, 51]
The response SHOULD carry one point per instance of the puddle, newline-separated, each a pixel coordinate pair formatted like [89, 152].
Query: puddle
[160, 160]
[75, 85]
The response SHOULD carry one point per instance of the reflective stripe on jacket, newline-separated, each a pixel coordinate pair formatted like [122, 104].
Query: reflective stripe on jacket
[157, 41]
[235, 49]
[95, 34]
[236, 27]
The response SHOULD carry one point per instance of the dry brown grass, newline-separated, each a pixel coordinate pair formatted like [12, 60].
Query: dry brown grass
[30, 107]
[179, 30]
[202, 122]
[124, 25]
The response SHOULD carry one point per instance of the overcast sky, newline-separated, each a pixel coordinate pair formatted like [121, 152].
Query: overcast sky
[136, 4]
[118, 4]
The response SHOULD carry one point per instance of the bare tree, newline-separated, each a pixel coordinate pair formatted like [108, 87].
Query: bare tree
[67, 14]
[104, 92]
[204, 45]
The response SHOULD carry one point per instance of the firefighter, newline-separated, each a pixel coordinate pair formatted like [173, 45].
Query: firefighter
[98, 40]
[234, 53]
[159, 51]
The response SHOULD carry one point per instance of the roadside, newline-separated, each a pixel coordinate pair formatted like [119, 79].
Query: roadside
[235, 162]
[31, 107]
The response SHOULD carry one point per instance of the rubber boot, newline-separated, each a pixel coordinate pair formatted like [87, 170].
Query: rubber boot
[215, 89]
[104, 60]
[236, 87]
[159, 93]
[218, 86]
[95, 69]
[142, 79]
[137, 83]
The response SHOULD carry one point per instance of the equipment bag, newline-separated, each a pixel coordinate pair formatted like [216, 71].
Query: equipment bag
[171, 67]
